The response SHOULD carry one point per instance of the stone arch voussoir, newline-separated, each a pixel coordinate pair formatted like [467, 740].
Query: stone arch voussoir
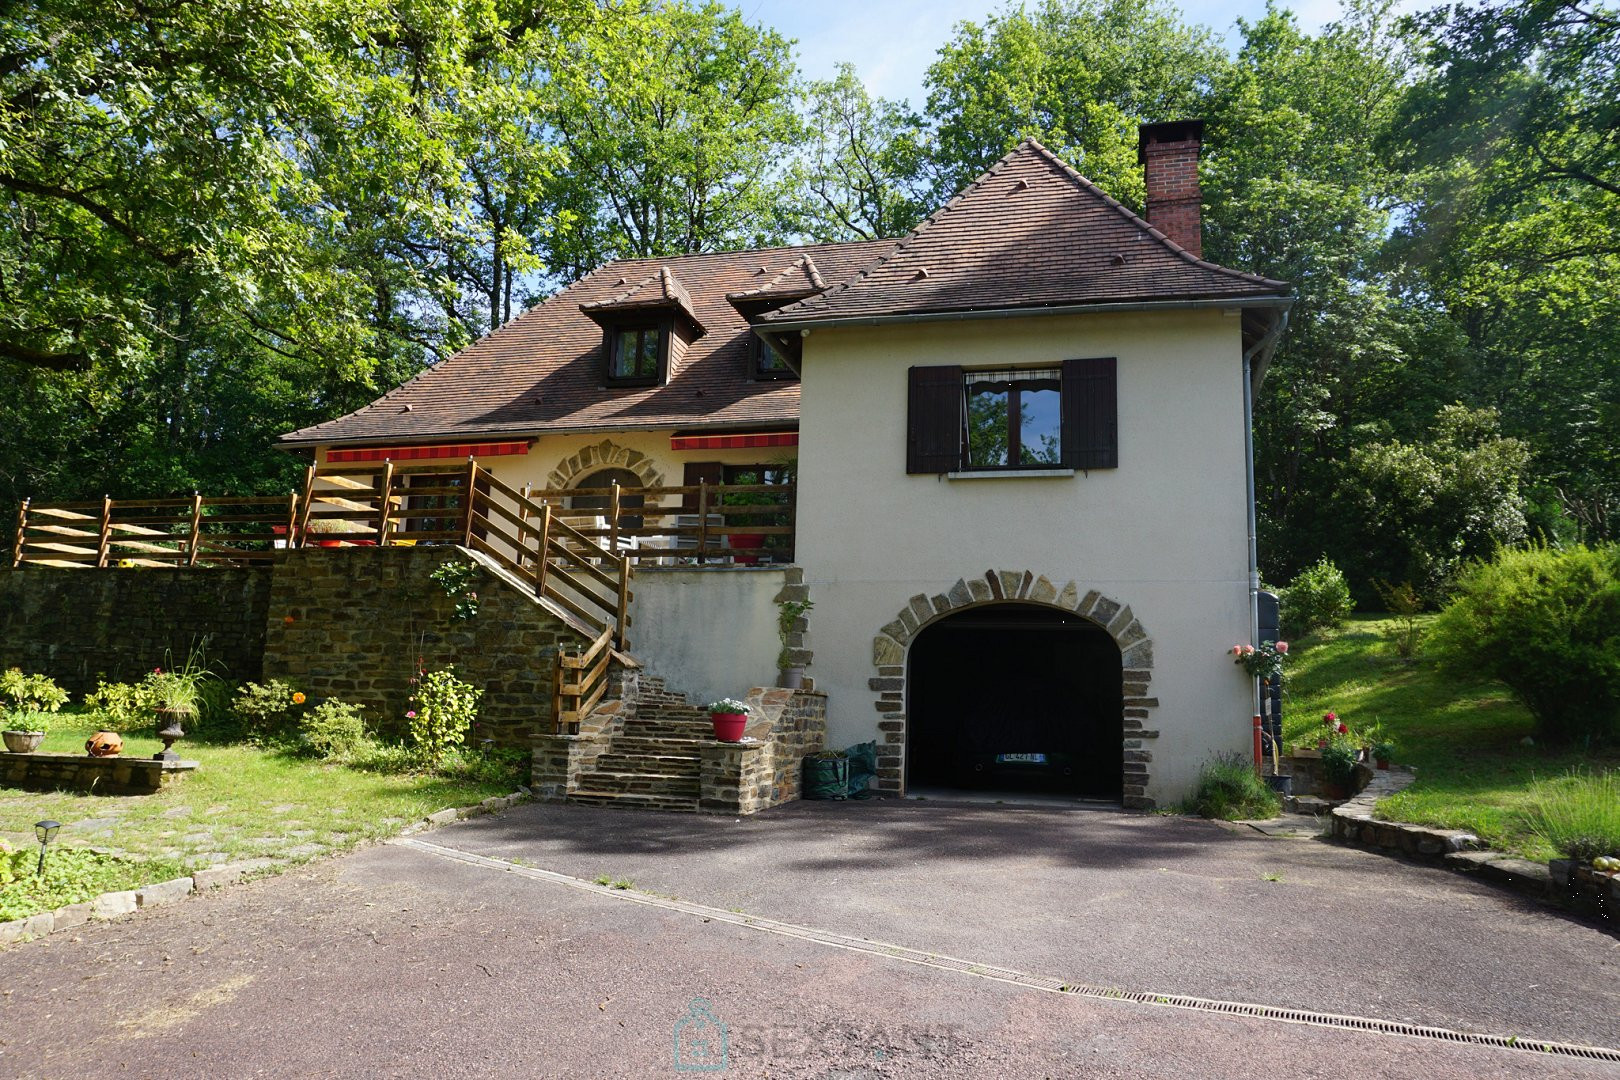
[606, 454]
[893, 641]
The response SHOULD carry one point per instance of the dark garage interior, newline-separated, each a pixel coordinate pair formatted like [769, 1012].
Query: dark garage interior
[1015, 698]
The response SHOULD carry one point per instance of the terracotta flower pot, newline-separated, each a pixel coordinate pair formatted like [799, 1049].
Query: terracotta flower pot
[104, 744]
[728, 727]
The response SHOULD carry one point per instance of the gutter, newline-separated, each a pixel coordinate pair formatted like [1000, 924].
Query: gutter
[1278, 302]
[511, 435]
[1256, 360]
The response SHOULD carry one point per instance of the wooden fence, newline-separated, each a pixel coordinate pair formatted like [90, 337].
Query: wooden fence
[580, 558]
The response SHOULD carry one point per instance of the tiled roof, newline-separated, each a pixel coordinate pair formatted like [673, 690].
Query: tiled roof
[1031, 233]
[661, 291]
[543, 371]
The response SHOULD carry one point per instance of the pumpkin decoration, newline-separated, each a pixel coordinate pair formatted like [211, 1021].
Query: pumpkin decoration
[104, 744]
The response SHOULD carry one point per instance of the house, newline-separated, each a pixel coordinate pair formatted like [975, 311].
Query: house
[1023, 503]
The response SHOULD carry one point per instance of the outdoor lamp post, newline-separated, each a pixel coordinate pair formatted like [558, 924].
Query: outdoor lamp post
[44, 832]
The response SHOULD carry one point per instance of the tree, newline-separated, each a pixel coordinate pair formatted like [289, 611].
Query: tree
[674, 121]
[1078, 74]
[859, 174]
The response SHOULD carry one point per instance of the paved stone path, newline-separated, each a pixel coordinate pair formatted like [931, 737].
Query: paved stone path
[400, 962]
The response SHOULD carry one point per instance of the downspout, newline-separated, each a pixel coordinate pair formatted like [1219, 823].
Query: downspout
[1256, 357]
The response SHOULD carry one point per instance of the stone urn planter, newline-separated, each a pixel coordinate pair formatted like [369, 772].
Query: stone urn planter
[170, 728]
[22, 742]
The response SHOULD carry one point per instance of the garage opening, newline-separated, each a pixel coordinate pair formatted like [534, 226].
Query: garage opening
[1016, 698]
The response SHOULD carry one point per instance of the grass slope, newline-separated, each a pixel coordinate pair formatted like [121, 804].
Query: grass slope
[1464, 739]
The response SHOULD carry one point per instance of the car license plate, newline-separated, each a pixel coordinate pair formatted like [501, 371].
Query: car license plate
[1020, 759]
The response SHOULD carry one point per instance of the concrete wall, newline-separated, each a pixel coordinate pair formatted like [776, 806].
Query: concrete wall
[75, 625]
[1165, 533]
[708, 633]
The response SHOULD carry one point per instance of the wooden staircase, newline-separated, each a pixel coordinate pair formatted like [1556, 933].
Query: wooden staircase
[652, 760]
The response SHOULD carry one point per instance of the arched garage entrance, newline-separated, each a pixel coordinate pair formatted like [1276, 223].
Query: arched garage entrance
[1015, 697]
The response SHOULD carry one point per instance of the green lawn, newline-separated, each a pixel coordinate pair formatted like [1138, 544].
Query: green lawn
[1464, 739]
[242, 802]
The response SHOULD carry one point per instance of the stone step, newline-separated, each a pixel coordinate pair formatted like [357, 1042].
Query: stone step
[639, 783]
[675, 803]
[662, 746]
[660, 764]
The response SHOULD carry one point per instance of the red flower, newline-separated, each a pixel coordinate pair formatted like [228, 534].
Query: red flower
[1330, 718]
[1344, 730]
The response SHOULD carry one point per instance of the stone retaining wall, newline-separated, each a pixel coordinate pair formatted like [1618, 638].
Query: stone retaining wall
[353, 625]
[74, 625]
[94, 776]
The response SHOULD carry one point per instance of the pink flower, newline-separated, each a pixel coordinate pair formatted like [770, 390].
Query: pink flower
[1282, 646]
[157, 671]
[1237, 650]
[411, 715]
[1330, 719]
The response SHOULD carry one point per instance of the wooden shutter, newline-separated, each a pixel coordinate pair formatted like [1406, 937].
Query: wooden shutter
[934, 420]
[1090, 413]
[696, 473]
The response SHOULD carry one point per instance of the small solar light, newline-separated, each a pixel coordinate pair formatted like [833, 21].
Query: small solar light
[44, 832]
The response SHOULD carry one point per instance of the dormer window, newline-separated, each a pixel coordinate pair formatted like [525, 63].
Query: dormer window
[767, 363]
[637, 355]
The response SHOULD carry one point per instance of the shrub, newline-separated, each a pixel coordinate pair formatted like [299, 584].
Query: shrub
[333, 729]
[1404, 602]
[443, 709]
[30, 693]
[266, 709]
[1317, 599]
[1578, 814]
[120, 706]
[1547, 624]
[1229, 789]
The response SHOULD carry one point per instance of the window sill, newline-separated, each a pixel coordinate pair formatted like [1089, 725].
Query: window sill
[1008, 474]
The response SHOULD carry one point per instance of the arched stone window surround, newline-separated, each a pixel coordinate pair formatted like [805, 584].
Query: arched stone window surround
[606, 454]
[890, 647]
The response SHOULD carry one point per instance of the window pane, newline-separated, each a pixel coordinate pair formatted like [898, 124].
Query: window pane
[647, 357]
[622, 364]
[987, 423]
[1040, 425]
[770, 361]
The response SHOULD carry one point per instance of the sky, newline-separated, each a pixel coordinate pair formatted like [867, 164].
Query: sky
[892, 42]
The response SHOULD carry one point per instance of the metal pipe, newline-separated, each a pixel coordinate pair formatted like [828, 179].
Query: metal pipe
[1260, 349]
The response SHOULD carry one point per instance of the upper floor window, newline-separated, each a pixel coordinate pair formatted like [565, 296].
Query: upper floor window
[768, 363]
[636, 354]
[1010, 419]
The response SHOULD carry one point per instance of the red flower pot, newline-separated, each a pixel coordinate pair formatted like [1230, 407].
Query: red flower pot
[1383, 763]
[747, 540]
[728, 726]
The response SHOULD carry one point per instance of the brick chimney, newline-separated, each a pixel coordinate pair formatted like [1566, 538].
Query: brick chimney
[1170, 153]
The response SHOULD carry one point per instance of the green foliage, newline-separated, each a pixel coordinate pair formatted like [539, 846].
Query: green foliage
[120, 707]
[72, 876]
[1546, 623]
[443, 709]
[1405, 604]
[788, 614]
[1263, 661]
[1318, 598]
[181, 689]
[1339, 762]
[30, 694]
[266, 710]
[1578, 814]
[456, 579]
[333, 730]
[1230, 790]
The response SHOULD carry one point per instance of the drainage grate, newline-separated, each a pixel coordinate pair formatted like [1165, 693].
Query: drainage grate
[1045, 983]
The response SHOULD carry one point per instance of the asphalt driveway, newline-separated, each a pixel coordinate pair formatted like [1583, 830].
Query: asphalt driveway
[400, 961]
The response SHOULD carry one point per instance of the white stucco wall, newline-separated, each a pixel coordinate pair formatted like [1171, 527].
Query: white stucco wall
[1165, 533]
[709, 633]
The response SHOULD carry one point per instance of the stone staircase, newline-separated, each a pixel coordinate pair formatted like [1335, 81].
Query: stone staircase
[652, 759]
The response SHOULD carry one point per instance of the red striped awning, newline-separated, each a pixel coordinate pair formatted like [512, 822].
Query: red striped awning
[733, 442]
[426, 453]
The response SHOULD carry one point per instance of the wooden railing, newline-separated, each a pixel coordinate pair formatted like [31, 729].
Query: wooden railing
[581, 560]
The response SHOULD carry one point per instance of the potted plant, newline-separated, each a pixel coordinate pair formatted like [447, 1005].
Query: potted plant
[1338, 769]
[175, 694]
[749, 498]
[1383, 751]
[788, 614]
[30, 701]
[335, 526]
[730, 718]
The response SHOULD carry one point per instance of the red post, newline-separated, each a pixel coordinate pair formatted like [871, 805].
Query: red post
[1259, 754]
